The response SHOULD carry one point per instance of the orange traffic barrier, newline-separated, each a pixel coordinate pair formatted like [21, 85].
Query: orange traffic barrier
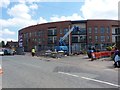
[97, 55]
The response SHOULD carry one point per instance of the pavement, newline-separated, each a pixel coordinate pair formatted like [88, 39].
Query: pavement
[77, 59]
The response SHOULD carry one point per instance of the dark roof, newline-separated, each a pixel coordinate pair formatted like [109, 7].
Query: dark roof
[79, 21]
[11, 43]
[101, 20]
[44, 24]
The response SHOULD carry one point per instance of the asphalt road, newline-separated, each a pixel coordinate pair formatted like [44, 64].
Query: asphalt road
[68, 72]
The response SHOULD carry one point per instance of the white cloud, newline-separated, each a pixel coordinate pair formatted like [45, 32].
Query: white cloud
[4, 3]
[17, 22]
[19, 11]
[30, 1]
[42, 20]
[100, 9]
[34, 6]
[75, 16]
[6, 32]
[20, 17]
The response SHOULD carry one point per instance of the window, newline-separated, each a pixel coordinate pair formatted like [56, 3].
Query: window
[52, 31]
[52, 39]
[35, 33]
[102, 30]
[55, 31]
[60, 31]
[26, 35]
[108, 29]
[82, 39]
[117, 30]
[65, 30]
[90, 38]
[39, 40]
[108, 38]
[40, 33]
[102, 38]
[30, 34]
[74, 39]
[96, 38]
[35, 39]
[90, 30]
[96, 29]
[117, 38]
[82, 31]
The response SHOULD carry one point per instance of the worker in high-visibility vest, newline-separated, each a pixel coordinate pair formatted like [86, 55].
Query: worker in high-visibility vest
[33, 52]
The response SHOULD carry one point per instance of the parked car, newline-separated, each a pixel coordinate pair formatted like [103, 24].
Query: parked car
[8, 51]
[1, 52]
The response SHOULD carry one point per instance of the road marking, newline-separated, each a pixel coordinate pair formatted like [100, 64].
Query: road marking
[100, 81]
[69, 74]
[90, 79]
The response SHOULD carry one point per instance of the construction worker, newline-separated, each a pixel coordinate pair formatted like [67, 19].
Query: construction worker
[33, 52]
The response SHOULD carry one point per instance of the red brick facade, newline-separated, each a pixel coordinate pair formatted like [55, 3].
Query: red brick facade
[104, 31]
[48, 34]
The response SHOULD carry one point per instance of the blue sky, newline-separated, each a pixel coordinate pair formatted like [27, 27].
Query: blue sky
[23, 13]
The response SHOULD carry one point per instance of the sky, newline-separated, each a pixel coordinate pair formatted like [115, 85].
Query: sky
[18, 14]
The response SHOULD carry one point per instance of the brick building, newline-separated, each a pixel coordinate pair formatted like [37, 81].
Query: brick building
[12, 45]
[97, 33]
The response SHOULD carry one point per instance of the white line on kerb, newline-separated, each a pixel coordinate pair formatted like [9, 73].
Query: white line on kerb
[90, 79]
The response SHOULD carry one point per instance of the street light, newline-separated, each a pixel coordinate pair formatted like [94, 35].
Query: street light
[69, 42]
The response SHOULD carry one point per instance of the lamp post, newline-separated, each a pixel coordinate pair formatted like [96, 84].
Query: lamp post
[69, 42]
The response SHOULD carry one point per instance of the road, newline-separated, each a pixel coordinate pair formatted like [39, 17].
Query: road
[69, 72]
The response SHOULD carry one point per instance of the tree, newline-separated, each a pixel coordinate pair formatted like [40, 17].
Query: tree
[2, 44]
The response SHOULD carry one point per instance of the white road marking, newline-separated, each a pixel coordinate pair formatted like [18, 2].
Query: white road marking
[100, 81]
[90, 79]
[69, 74]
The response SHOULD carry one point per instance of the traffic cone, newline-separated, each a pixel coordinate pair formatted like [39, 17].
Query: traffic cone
[1, 71]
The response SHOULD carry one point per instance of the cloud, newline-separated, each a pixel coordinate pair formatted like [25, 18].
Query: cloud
[6, 32]
[4, 3]
[20, 11]
[34, 6]
[42, 20]
[100, 9]
[30, 1]
[75, 16]
[20, 16]
[16, 22]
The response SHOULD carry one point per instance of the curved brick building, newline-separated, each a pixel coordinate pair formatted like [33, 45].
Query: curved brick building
[97, 33]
